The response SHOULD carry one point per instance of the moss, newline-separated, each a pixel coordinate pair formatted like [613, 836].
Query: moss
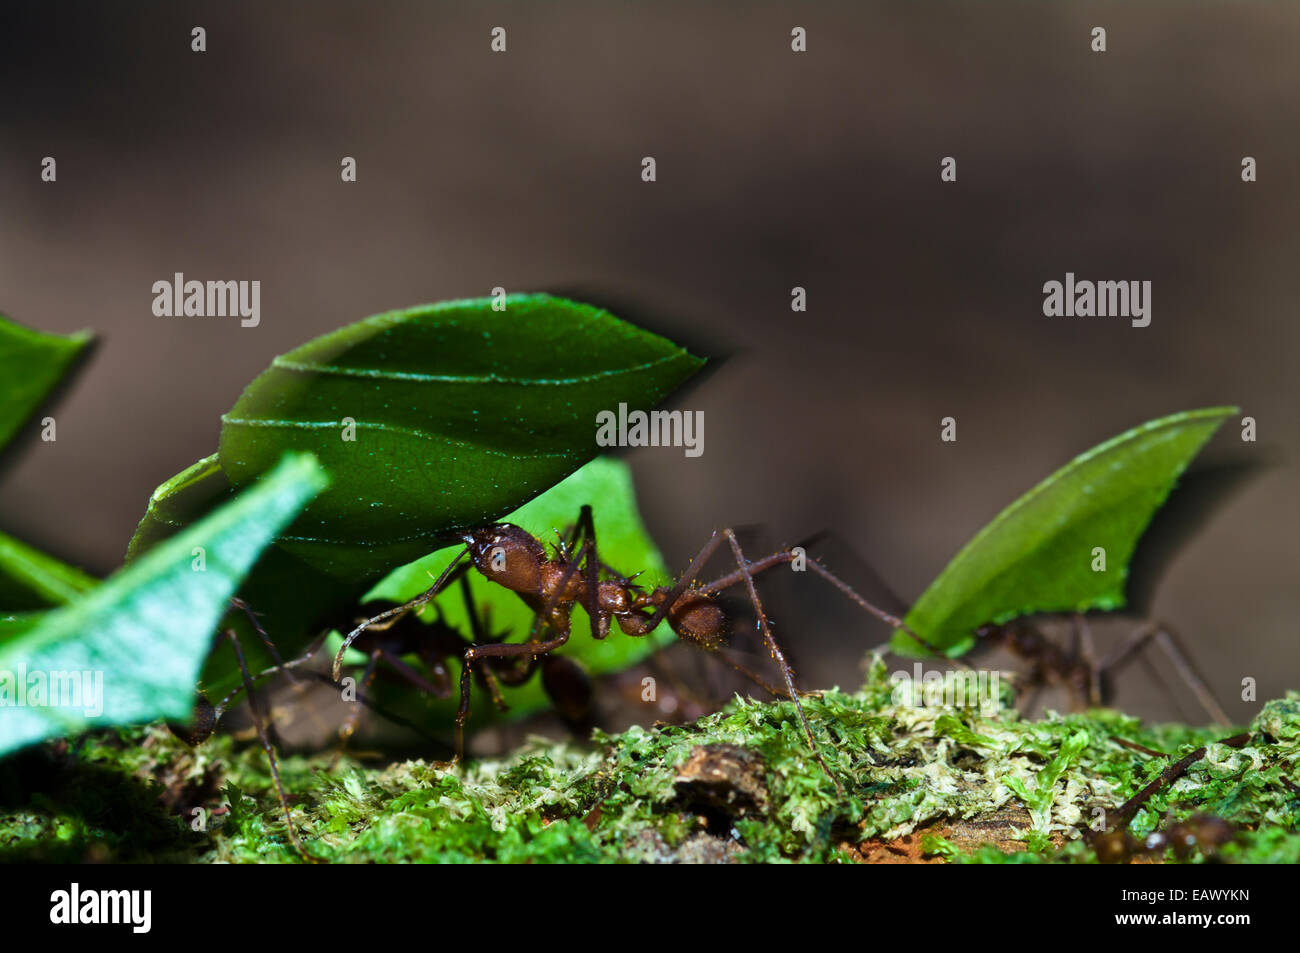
[737, 786]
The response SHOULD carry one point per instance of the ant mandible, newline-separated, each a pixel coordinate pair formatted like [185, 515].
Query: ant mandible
[551, 585]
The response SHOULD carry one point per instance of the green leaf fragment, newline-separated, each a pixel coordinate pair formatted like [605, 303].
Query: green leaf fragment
[31, 364]
[130, 650]
[1038, 555]
[441, 417]
[31, 579]
[290, 597]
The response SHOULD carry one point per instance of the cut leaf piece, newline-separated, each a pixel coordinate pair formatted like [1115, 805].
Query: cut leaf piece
[31, 364]
[459, 413]
[1038, 555]
[31, 579]
[131, 649]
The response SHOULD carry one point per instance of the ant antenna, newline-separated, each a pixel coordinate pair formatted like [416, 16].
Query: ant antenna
[455, 566]
[259, 721]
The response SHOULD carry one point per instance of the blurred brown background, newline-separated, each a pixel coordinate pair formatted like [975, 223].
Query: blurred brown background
[775, 169]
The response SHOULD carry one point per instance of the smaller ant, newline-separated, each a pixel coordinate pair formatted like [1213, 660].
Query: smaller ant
[551, 585]
[1075, 669]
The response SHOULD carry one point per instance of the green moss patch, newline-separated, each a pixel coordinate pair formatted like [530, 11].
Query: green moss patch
[952, 784]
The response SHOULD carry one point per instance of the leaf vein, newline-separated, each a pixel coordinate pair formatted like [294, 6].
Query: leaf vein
[382, 374]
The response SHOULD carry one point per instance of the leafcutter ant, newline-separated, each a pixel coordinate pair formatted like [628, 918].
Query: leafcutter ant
[552, 584]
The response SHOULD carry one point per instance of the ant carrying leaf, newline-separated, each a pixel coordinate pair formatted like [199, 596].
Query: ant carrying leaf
[1065, 547]
[552, 584]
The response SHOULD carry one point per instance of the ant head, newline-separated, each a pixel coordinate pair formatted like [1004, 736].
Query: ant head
[507, 555]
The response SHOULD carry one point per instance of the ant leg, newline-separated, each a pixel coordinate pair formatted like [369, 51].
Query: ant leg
[785, 556]
[480, 635]
[774, 690]
[411, 675]
[258, 720]
[762, 565]
[399, 665]
[353, 720]
[531, 647]
[576, 532]
[777, 654]
[280, 664]
[378, 709]
[692, 573]
[493, 684]
[585, 529]
[313, 647]
[1086, 651]
[475, 653]
[751, 569]
[569, 540]
[745, 573]
[454, 569]
[1163, 635]
[591, 565]
[244, 607]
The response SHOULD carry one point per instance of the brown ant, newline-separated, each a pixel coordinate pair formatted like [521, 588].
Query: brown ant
[1076, 669]
[551, 585]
